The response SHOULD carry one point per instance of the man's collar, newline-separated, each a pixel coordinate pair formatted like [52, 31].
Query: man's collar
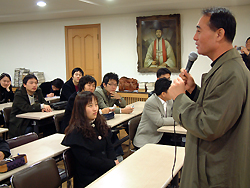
[213, 63]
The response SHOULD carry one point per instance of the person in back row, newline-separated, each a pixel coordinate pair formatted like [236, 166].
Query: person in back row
[88, 136]
[108, 97]
[28, 99]
[161, 73]
[157, 112]
[6, 94]
[86, 83]
[53, 88]
[71, 85]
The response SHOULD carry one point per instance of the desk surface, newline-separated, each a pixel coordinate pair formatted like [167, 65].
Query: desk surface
[37, 151]
[150, 166]
[52, 99]
[170, 129]
[4, 105]
[120, 118]
[39, 115]
[3, 130]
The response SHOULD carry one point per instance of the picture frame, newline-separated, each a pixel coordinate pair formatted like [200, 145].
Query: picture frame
[154, 51]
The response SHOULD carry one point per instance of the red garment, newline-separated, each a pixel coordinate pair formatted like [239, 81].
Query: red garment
[76, 88]
[163, 50]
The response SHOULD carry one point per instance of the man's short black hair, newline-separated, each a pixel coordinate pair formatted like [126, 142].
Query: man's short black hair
[221, 18]
[76, 70]
[28, 77]
[247, 39]
[110, 76]
[162, 85]
[162, 71]
[58, 83]
[85, 80]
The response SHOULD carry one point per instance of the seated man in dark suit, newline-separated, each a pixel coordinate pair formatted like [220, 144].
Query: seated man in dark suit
[71, 85]
[86, 83]
[157, 112]
[28, 99]
[53, 88]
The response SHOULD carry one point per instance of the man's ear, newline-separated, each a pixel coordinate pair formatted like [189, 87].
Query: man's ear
[24, 85]
[220, 34]
[104, 85]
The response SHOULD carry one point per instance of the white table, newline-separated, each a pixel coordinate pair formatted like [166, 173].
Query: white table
[5, 105]
[170, 129]
[149, 167]
[37, 151]
[121, 118]
[52, 99]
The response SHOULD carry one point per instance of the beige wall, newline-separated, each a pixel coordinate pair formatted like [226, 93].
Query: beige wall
[40, 45]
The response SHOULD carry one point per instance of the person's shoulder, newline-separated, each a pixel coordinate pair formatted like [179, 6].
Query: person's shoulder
[98, 89]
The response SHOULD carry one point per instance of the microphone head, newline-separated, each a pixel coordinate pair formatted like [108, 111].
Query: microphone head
[192, 56]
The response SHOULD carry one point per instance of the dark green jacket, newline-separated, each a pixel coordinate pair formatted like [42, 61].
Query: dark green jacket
[21, 104]
[217, 151]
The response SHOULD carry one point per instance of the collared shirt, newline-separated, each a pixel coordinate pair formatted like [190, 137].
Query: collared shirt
[32, 101]
[166, 107]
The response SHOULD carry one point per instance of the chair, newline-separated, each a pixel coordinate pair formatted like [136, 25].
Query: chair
[69, 164]
[6, 116]
[133, 124]
[41, 175]
[58, 119]
[23, 139]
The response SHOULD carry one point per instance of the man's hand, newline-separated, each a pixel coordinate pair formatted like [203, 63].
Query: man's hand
[127, 110]
[177, 88]
[46, 108]
[188, 80]
[115, 95]
[116, 162]
[50, 95]
[244, 50]
[107, 110]
[153, 62]
[1, 155]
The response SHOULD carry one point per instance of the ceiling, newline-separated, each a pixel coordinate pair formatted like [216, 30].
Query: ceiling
[26, 10]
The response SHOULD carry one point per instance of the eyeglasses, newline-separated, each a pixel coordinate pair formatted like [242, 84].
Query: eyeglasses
[115, 85]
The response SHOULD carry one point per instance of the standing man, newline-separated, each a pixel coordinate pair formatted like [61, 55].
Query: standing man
[71, 85]
[160, 52]
[245, 53]
[216, 115]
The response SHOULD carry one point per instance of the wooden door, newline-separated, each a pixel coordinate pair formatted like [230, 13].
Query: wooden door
[83, 49]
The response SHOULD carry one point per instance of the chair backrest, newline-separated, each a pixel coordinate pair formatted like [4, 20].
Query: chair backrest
[6, 116]
[58, 119]
[23, 139]
[41, 175]
[133, 124]
[69, 163]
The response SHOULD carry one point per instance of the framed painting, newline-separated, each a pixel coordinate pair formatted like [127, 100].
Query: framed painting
[158, 43]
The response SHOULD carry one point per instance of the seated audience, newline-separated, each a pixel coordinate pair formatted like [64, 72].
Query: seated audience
[6, 94]
[157, 112]
[4, 149]
[245, 53]
[28, 99]
[161, 73]
[86, 83]
[53, 88]
[88, 136]
[108, 97]
[71, 85]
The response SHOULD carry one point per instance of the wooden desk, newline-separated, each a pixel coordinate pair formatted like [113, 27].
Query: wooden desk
[37, 151]
[52, 99]
[150, 166]
[170, 129]
[38, 117]
[121, 118]
[5, 105]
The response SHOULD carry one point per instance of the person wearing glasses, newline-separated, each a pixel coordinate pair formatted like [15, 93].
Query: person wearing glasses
[71, 85]
[108, 97]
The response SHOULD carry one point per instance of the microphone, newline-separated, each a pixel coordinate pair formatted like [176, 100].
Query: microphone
[191, 59]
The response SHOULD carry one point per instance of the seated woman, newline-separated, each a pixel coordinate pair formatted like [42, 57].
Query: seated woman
[88, 136]
[6, 94]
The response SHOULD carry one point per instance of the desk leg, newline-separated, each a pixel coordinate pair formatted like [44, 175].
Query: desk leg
[36, 128]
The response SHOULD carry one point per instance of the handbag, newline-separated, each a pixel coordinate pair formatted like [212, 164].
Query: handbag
[59, 105]
[108, 116]
[11, 163]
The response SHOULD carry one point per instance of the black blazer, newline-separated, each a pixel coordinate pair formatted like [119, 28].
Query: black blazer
[67, 90]
[92, 157]
[68, 112]
[6, 96]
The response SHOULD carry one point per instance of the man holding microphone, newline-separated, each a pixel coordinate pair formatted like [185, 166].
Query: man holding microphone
[216, 115]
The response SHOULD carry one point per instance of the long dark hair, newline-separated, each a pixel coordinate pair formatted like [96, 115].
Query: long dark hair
[80, 121]
[3, 75]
